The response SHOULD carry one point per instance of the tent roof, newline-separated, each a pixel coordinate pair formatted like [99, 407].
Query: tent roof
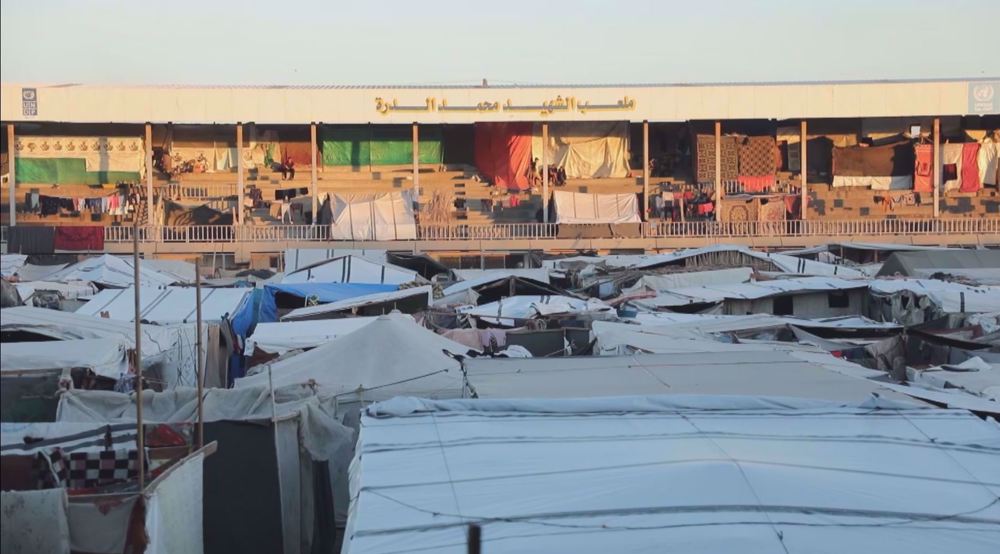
[784, 262]
[663, 473]
[357, 301]
[278, 338]
[949, 296]
[984, 264]
[105, 357]
[351, 269]
[298, 258]
[328, 292]
[388, 357]
[508, 310]
[117, 272]
[166, 305]
[748, 291]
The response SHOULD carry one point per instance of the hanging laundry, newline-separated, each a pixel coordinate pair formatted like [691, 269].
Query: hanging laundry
[79, 238]
[923, 172]
[970, 168]
[989, 162]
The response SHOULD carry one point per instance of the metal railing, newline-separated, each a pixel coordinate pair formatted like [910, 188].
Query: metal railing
[200, 191]
[830, 228]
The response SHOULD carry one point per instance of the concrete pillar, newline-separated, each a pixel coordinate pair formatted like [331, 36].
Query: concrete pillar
[545, 172]
[803, 142]
[312, 172]
[645, 164]
[416, 166]
[149, 174]
[718, 170]
[11, 176]
[239, 173]
[937, 167]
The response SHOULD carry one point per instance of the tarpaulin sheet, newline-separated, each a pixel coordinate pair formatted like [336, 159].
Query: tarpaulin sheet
[578, 207]
[359, 145]
[263, 308]
[79, 238]
[380, 216]
[67, 171]
[179, 215]
[874, 161]
[503, 153]
[585, 150]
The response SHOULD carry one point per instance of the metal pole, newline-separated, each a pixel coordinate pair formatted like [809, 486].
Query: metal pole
[803, 148]
[200, 363]
[139, 437]
[149, 173]
[11, 176]
[937, 167]
[545, 172]
[645, 164]
[312, 168]
[239, 173]
[475, 542]
[416, 164]
[718, 170]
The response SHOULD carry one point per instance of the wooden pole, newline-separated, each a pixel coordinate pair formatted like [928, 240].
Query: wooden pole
[803, 148]
[416, 165]
[239, 173]
[937, 167]
[475, 539]
[149, 173]
[140, 434]
[312, 172]
[645, 164]
[718, 170]
[200, 363]
[11, 176]
[545, 172]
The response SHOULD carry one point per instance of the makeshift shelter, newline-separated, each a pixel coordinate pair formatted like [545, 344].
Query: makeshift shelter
[515, 310]
[747, 474]
[724, 255]
[493, 284]
[887, 167]
[584, 208]
[351, 269]
[94, 160]
[164, 306]
[279, 298]
[982, 266]
[117, 272]
[297, 258]
[371, 145]
[585, 150]
[106, 357]
[289, 448]
[377, 216]
[503, 153]
[407, 301]
[281, 337]
[914, 301]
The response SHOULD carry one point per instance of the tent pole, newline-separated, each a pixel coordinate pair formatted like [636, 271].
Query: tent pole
[416, 166]
[11, 176]
[803, 140]
[140, 434]
[149, 173]
[545, 172]
[718, 170]
[200, 365]
[239, 173]
[312, 168]
[645, 165]
[937, 167]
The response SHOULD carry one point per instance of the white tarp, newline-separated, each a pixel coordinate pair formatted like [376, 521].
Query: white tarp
[388, 357]
[389, 297]
[668, 281]
[11, 264]
[482, 276]
[174, 504]
[34, 522]
[297, 258]
[754, 475]
[279, 338]
[585, 150]
[948, 296]
[783, 262]
[580, 207]
[71, 290]
[894, 182]
[377, 216]
[511, 311]
[117, 272]
[165, 305]
[351, 269]
[748, 291]
[105, 357]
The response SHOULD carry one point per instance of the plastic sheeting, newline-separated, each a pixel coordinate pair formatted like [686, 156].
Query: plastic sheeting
[688, 279]
[512, 311]
[744, 474]
[34, 522]
[351, 269]
[166, 305]
[585, 150]
[105, 357]
[783, 262]
[503, 153]
[117, 272]
[379, 216]
[414, 298]
[297, 258]
[579, 207]
[174, 509]
[360, 145]
[279, 338]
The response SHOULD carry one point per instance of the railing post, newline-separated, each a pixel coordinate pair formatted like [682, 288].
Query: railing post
[11, 176]
[239, 172]
[718, 170]
[937, 167]
[545, 172]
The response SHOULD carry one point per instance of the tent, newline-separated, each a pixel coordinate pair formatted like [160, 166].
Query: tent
[351, 269]
[388, 357]
[741, 256]
[514, 310]
[579, 207]
[297, 258]
[982, 266]
[742, 474]
[493, 284]
[503, 153]
[281, 337]
[585, 150]
[166, 305]
[117, 272]
[106, 357]
[408, 301]
[376, 216]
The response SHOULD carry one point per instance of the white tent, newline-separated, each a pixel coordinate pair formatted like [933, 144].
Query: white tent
[297, 258]
[423, 294]
[716, 474]
[116, 272]
[669, 281]
[71, 290]
[580, 207]
[783, 262]
[166, 305]
[948, 296]
[105, 357]
[351, 269]
[511, 310]
[476, 277]
[11, 264]
[279, 338]
[712, 293]
[388, 357]
[375, 216]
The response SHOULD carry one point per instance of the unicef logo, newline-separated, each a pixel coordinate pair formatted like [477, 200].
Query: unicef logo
[983, 93]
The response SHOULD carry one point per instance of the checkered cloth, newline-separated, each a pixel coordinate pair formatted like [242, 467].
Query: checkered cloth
[85, 470]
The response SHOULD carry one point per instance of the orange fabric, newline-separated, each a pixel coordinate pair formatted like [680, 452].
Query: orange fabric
[300, 152]
[756, 183]
[923, 169]
[503, 153]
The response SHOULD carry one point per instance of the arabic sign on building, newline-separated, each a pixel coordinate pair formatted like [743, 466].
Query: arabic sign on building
[984, 97]
[569, 104]
[29, 102]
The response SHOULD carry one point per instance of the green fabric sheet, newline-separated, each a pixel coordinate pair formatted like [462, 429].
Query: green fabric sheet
[67, 171]
[361, 145]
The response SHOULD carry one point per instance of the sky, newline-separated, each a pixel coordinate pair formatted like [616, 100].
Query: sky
[451, 42]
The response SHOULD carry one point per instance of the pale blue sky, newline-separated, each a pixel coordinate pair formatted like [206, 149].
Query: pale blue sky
[511, 41]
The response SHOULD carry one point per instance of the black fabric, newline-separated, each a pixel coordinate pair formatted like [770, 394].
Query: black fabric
[285, 194]
[31, 240]
[49, 205]
[874, 161]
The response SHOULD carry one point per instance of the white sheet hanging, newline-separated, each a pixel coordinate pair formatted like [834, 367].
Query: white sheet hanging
[578, 207]
[585, 150]
[385, 216]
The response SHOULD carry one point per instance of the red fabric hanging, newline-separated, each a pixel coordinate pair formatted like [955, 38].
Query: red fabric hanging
[300, 152]
[756, 183]
[923, 169]
[79, 238]
[970, 167]
[503, 153]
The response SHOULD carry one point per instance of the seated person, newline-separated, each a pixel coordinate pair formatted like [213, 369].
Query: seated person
[288, 169]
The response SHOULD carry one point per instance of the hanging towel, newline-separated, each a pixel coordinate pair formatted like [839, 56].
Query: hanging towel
[923, 172]
[970, 167]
